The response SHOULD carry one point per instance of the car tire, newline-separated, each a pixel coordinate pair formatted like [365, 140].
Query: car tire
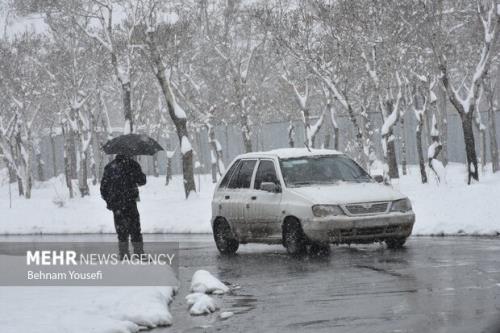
[395, 243]
[319, 249]
[294, 239]
[224, 238]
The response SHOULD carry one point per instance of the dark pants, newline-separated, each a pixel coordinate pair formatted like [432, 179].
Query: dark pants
[127, 222]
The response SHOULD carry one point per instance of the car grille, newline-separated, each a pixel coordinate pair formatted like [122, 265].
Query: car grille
[343, 233]
[367, 208]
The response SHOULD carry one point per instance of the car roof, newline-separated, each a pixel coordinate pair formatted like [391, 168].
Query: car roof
[285, 153]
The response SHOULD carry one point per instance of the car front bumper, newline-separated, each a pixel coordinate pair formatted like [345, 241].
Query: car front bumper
[359, 229]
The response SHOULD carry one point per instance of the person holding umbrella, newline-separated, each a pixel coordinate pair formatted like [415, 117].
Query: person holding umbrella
[119, 187]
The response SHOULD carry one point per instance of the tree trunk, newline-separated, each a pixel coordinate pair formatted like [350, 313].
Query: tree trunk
[493, 139]
[390, 153]
[326, 142]
[168, 170]
[391, 156]
[95, 157]
[403, 145]
[470, 147]
[20, 186]
[215, 154]
[336, 138]
[156, 172]
[39, 163]
[127, 108]
[24, 156]
[67, 163]
[443, 121]
[291, 135]
[83, 175]
[72, 154]
[246, 133]
[12, 173]
[421, 161]
[53, 151]
[180, 121]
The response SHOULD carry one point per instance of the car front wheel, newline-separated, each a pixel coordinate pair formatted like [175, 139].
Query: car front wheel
[395, 243]
[293, 237]
[224, 239]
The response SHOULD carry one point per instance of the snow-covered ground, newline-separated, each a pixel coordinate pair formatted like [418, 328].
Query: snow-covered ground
[451, 208]
[84, 309]
[163, 209]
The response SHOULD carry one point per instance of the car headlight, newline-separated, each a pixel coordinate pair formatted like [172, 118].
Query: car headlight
[403, 205]
[327, 210]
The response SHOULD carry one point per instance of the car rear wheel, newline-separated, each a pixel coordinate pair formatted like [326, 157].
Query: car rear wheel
[395, 243]
[224, 238]
[294, 239]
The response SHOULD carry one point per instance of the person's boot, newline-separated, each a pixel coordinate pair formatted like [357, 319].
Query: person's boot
[138, 248]
[139, 251]
[123, 251]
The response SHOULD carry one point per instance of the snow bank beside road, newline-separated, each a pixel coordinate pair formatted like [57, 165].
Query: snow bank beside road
[163, 209]
[450, 208]
[454, 207]
[84, 309]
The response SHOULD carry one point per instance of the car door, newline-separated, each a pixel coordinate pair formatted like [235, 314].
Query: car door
[235, 195]
[222, 205]
[262, 214]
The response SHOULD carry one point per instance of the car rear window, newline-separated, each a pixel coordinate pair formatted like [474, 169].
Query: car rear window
[243, 178]
[229, 173]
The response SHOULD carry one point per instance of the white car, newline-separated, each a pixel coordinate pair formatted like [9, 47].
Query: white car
[299, 197]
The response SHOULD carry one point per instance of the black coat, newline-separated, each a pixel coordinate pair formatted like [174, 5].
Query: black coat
[119, 182]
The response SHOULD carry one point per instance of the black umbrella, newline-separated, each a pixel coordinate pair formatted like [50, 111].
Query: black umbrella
[131, 145]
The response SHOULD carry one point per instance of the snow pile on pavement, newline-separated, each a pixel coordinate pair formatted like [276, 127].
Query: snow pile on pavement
[448, 208]
[84, 309]
[201, 304]
[226, 315]
[204, 282]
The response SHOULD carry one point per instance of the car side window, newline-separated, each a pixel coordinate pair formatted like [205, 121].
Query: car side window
[243, 177]
[234, 168]
[266, 173]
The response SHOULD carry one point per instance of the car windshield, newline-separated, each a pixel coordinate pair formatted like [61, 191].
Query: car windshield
[329, 169]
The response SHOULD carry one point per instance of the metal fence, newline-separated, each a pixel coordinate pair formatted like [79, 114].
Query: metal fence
[275, 135]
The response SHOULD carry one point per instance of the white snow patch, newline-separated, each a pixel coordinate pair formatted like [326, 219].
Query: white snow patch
[179, 112]
[84, 309]
[185, 145]
[126, 127]
[201, 304]
[226, 315]
[293, 152]
[204, 282]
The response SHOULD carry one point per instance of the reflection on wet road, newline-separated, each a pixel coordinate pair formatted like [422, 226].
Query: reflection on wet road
[433, 285]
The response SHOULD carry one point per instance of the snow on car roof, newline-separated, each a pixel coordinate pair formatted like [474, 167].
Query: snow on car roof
[292, 153]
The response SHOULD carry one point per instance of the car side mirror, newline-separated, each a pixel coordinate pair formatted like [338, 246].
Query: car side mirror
[378, 178]
[270, 187]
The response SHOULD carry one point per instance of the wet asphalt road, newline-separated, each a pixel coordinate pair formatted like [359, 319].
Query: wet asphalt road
[449, 284]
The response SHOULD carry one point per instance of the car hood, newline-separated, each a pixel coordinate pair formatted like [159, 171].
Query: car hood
[347, 193]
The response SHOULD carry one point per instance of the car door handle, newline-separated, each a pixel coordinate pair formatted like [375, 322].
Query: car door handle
[254, 198]
[227, 197]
